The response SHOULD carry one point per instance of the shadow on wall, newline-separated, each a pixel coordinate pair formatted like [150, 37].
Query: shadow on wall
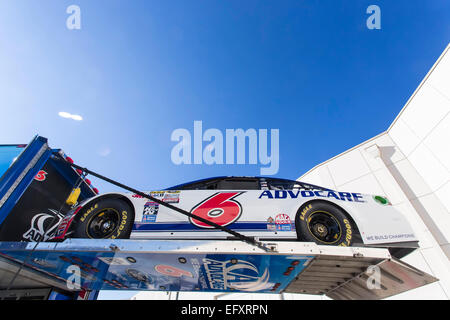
[386, 155]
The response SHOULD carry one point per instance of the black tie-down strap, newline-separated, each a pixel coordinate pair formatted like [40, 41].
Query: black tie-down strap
[168, 205]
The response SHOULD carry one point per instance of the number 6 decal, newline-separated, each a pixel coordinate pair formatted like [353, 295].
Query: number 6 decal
[219, 208]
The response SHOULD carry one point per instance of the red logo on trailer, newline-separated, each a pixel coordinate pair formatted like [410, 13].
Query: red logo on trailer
[41, 175]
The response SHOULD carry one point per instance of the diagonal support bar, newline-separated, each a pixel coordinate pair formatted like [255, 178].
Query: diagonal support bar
[172, 207]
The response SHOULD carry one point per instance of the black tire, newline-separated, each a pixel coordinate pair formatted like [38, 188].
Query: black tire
[104, 219]
[324, 224]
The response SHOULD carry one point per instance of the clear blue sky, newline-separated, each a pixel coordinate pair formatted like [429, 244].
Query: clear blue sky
[137, 70]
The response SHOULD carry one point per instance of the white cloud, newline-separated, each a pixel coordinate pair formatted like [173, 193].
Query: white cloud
[67, 115]
[104, 151]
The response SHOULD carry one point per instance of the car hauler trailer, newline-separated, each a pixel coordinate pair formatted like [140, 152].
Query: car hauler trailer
[35, 186]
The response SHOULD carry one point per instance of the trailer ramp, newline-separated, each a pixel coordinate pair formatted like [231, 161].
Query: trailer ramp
[209, 266]
[358, 277]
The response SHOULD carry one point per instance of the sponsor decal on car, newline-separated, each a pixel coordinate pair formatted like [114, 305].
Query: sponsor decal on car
[150, 211]
[147, 218]
[172, 197]
[389, 237]
[157, 194]
[283, 222]
[271, 224]
[294, 194]
[154, 194]
[166, 196]
[137, 196]
[151, 208]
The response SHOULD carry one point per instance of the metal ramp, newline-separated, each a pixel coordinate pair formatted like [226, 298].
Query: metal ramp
[349, 278]
[205, 266]
[19, 283]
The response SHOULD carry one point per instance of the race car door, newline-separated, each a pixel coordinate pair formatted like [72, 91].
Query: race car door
[231, 202]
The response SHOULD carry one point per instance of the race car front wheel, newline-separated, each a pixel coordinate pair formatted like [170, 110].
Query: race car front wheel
[104, 219]
[324, 224]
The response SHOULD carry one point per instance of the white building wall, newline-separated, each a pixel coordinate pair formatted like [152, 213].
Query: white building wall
[409, 164]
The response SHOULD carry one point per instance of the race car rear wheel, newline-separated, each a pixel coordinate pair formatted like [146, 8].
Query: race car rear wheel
[324, 224]
[104, 219]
